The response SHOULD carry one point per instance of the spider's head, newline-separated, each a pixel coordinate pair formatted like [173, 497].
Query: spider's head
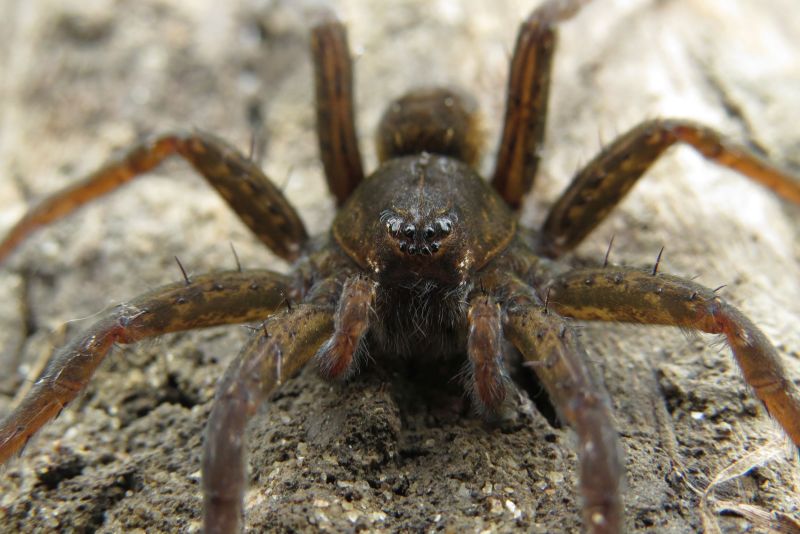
[413, 243]
[424, 217]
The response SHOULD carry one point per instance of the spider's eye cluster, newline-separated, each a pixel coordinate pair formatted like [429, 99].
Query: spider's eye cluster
[423, 239]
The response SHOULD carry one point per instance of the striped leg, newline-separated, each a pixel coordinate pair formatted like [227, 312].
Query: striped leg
[260, 205]
[606, 180]
[619, 294]
[214, 299]
[279, 350]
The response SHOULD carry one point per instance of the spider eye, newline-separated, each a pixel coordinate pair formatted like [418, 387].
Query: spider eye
[417, 238]
[393, 225]
[444, 225]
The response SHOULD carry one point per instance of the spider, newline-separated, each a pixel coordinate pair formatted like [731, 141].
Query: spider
[477, 296]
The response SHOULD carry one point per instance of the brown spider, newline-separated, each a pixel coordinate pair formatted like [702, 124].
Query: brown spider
[486, 279]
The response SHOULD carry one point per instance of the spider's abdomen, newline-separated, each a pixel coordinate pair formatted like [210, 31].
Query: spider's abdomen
[435, 120]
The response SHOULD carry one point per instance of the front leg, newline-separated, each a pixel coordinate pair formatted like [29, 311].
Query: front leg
[605, 181]
[213, 299]
[257, 202]
[281, 347]
[623, 294]
[550, 347]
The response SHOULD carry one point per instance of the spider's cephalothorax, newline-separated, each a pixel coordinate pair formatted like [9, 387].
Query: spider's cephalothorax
[424, 255]
[419, 213]
[424, 223]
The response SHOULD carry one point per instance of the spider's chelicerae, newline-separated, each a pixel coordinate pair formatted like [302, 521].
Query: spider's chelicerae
[425, 258]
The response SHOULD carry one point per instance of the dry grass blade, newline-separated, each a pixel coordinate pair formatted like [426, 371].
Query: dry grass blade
[743, 465]
[711, 508]
[773, 521]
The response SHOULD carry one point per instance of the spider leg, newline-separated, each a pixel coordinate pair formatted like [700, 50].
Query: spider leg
[485, 352]
[526, 99]
[287, 341]
[597, 188]
[209, 300]
[336, 129]
[621, 294]
[336, 357]
[551, 349]
[257, 202]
